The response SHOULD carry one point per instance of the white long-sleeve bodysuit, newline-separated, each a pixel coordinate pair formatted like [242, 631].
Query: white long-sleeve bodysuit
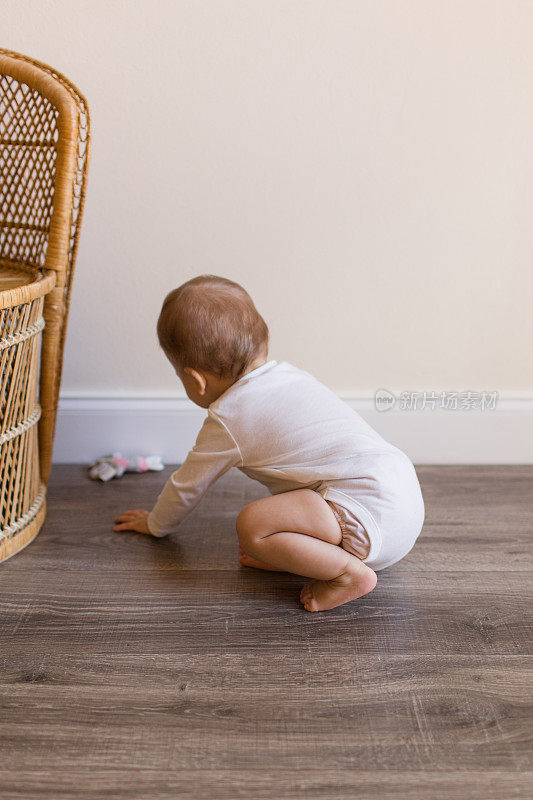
[281, 426]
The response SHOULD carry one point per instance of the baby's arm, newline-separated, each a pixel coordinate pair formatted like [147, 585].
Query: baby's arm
[213, 454]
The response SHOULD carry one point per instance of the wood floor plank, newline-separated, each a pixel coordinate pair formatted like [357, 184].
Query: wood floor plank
[129, 783]
[140, 668]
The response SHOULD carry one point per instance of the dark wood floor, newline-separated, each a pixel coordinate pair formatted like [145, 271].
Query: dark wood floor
[140, 668]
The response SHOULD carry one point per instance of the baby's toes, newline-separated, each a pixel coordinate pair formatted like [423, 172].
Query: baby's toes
[306, 592]
[307, 597]
[311, 604]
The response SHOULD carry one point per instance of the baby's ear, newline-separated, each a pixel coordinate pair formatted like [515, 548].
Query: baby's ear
[198, 377]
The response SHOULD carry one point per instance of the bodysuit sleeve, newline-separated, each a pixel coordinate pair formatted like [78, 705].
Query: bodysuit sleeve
[213, 454]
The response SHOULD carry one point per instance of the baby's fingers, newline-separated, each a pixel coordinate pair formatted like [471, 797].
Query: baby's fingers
[128, 515]
[124, 526]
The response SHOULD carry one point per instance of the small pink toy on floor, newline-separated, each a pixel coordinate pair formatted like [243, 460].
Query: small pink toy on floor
[115, 465]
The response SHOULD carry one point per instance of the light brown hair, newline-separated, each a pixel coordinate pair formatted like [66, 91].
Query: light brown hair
[211, 323]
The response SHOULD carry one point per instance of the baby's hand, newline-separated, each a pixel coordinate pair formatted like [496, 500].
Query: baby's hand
[135, 520]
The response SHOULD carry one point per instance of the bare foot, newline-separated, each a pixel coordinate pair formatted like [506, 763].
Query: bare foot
[248, 561]
[356, 580]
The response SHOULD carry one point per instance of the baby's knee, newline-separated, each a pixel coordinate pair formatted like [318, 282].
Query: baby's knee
[247, 524]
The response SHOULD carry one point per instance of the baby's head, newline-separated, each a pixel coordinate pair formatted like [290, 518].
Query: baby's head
[212, 334]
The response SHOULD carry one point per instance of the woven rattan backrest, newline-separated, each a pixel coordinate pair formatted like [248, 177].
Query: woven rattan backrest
[44, 152]
[28, 137]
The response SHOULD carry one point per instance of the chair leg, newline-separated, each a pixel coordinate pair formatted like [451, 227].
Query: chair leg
[50, 378]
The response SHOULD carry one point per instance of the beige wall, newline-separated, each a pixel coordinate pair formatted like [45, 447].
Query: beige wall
[363, 168]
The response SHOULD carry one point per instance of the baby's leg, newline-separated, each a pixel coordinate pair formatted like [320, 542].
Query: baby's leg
[248, 561]
[298, 532]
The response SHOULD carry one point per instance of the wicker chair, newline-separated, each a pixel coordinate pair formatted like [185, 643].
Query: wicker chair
[44, 152]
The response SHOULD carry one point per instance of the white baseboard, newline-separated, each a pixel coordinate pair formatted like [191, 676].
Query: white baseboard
[89, 426]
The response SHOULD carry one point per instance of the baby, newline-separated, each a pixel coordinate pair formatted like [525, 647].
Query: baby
[344, 502]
